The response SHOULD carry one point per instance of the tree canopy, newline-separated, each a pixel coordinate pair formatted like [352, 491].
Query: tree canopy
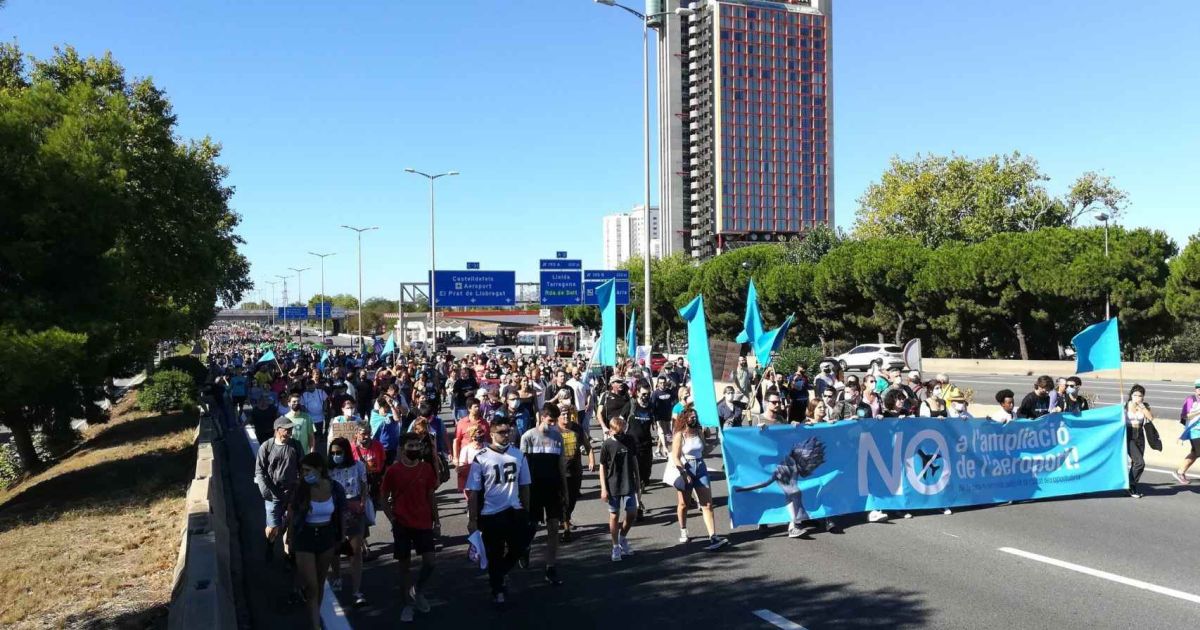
[115, 232]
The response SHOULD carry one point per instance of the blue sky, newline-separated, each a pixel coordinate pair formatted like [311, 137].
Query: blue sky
[320, 106]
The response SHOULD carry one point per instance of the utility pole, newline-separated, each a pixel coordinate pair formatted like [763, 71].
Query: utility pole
[323, 296]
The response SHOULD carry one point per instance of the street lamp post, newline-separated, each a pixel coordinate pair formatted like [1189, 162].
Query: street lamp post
[323, 296]
[432, 250]
[271, 310]
[1104, 217]
[360, 301]
[300, 298]
[645, 20]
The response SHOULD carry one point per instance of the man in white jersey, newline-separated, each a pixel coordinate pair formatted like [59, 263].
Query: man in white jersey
[497, 493]
[543, 449]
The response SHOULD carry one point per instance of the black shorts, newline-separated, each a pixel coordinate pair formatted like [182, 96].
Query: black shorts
[545, 499]
[1195, 447]
[406, 540]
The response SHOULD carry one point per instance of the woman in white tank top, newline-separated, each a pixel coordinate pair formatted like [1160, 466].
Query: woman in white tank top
[687, 473]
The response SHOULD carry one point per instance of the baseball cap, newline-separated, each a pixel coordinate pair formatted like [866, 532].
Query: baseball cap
[1197, 384]
[914, 374]
[283, 423]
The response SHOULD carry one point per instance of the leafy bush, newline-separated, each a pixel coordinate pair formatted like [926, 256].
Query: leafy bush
[168, 390]
[788, 358]
[187, 364]
[1182, 347]
[11, 466]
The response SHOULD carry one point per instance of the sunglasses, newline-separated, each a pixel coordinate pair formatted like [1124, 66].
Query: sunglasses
[772, 402]
[502, 431]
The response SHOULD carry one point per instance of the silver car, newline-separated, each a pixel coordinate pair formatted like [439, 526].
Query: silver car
[861, 357]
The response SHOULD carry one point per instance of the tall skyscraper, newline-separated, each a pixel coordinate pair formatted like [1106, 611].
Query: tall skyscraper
[624, 237]
[747, 122]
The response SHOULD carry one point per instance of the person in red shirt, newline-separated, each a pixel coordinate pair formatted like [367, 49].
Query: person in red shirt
[464, 428]
[407, 492]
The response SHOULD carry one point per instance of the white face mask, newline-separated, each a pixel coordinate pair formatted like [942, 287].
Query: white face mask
[959, 407]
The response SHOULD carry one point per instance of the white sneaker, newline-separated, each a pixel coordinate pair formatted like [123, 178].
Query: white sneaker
[406, 615]
[683, 536]
[795, 532]
[947, 512]
[418, 600]
[908, 515]
[626, 550]
[877, 516]
[616, 553]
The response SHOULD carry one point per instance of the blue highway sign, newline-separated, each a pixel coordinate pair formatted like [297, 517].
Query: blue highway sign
[560, 263]
[475, 288]
[292, 312]
[592, 279]
[561, 288]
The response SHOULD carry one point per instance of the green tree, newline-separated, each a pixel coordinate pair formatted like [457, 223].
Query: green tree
[1183, 285]
[724, 280]
[39, 384]
[94, 180]
[583, 316]
[669, 280]
[938, 199]
[250, 306]
[839, 310]
[813, 244]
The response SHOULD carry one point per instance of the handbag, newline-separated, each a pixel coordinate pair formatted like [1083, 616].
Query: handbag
[369, 512]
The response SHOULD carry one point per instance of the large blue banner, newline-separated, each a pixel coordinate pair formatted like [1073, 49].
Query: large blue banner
[781, 474]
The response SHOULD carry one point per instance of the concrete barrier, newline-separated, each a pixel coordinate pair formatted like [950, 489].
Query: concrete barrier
[1183, 372]
[202, 594]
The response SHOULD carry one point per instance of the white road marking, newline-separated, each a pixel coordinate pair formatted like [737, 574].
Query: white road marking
[332, 615]
[1104, 575]
[777, 620]
[1171, 472]
[951, 535]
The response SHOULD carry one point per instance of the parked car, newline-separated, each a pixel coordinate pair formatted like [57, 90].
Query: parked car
[657, 361]
[486, 347]
[861, 357]
[505, 353]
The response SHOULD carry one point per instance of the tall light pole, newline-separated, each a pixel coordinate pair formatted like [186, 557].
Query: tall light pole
[645, 20]
[432, 250]
[323, 296]
[300, 298]
[271, 311]
[1103, 216]
[360, 301]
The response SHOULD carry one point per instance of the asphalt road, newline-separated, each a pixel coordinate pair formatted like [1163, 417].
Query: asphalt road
[1165, 396]
[931, 571]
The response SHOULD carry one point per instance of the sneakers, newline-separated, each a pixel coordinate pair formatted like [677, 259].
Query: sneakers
[407, 614]
[552, 577]
[360, 600]
[497, 599]
[877, 516]
[418, 600]
[1180, 477]
[616, 553]
[947, 512]
[908, 515]
[683, 537]
[831, 526]
[623, 543]
[1135, 494]
[795, 532]
[641, 514]
[523, 561]
[715, 542]
[336, 585]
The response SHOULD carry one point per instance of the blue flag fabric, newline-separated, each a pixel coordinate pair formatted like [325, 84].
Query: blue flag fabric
[1098, 347]
[784, 473]
[770, 342]
[606, 296]
[631, 336]
[324, 360]
[389, 347]
[266, 357]
[704, 393]
[752, 323]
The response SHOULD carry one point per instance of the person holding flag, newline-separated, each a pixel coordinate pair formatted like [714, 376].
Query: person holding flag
[1189, 416]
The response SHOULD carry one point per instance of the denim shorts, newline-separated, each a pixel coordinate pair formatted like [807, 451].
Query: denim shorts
[629, 502]
[275, 511]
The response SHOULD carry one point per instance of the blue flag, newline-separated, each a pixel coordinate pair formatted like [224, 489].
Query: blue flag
[389, 347]
[704, 391]
[268, 356]
[606, 296]
[771, 341]
[752, 324]
[324, 359]
[631, 336]
[1097, 348]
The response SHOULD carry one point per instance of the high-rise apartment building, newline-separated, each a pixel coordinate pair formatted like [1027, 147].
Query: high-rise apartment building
[747, 122]
[624, 237]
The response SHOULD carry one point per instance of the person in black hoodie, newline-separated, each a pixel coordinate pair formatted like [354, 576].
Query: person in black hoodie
[1036, 403]
[640, 421]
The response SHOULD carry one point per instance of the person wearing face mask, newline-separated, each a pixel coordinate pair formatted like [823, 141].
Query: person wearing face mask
[514, 413]
[351, 475]
[543, 449]
[1138, 431]
[303, 426]
[641, 419]
[797, 390]
[385, 429]
[315, 517]
[1072, 401]
[614, 403]
[850, 407]
[619, 485]
[933, 407]
[499, 494]
[743, 383]
[348, 415]
[262, 416]
[826, 379]
[728, 413]
[687, 472]
[1058, 394]
[958, 407]
[476, 440]
[408, 495]
[314, 400]
[276, 472]
[663, 400]
[464, 431]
